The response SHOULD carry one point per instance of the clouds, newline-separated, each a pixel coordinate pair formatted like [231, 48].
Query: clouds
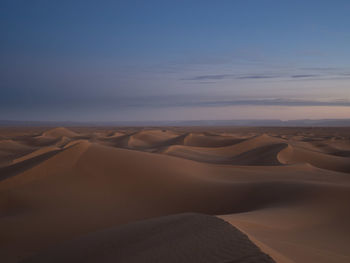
[78, 59]
[303, 76]
[230, 76]
[257, 77]
[283, 75]
[321, 69]
[274, 102]
[211, 77]
[219, 102]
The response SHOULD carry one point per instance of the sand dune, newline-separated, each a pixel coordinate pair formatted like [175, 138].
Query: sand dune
[292, 155]
[288, 194]
[312, 231]
[260, 150]
[62, 142]
[205, 140]
[196, 237]
[115, 135]
[10, 150]
[59, 132]
[151, 138]
[36, 153]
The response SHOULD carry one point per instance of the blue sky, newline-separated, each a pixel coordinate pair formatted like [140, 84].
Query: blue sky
[174, 60]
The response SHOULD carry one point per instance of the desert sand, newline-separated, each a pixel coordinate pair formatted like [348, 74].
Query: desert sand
[174, 194]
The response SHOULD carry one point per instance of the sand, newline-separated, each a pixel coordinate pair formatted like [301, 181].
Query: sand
[177, 238]
[119, 194]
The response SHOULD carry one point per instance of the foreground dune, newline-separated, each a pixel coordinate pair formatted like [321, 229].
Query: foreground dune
[288, 195]
[195, 237]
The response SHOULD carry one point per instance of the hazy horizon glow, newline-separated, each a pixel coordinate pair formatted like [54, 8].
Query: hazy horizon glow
[174, 60]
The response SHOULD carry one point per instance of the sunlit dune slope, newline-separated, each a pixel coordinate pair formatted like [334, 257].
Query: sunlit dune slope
[59, 132]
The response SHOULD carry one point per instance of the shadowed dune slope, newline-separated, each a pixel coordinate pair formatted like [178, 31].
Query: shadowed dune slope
[33, 154]
[260, 150]
[10, 150]
[208, 140]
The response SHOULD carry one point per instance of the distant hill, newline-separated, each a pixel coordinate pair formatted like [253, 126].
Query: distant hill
[250, 123]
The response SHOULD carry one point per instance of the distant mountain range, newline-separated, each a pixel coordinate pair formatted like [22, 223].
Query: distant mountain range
[251, 123]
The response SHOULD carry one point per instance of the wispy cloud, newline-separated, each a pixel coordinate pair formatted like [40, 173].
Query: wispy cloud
[273, 102]
[304, 76]
[211, 77]
[198, 101]
[257, 77]
[231, 76]
[318, 73]
[322, 68]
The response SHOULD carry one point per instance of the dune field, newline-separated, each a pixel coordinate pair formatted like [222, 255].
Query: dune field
[174, 194]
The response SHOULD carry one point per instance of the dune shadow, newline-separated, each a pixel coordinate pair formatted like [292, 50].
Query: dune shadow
[14, 169]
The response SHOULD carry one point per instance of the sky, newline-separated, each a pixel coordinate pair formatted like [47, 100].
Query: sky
[174, 60]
